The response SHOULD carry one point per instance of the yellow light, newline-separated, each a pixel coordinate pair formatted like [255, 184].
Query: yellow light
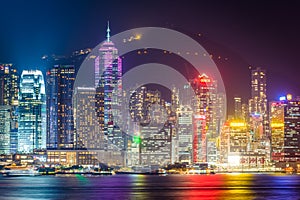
[277, 125]
[289, 97]
[237, 124]
[138, 37]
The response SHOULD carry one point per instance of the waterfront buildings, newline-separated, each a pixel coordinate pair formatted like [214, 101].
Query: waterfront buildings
[85, 131]
[82, 128]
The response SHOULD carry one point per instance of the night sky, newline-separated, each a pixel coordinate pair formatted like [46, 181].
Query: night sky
[246, 33]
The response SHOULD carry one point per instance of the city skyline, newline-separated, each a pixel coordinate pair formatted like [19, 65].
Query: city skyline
[201, 70]
[255, 136]
[149, 99]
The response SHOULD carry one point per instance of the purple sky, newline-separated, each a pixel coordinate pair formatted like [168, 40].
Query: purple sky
[257, 33]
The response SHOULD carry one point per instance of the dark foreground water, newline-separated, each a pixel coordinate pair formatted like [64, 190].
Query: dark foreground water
[218, 186]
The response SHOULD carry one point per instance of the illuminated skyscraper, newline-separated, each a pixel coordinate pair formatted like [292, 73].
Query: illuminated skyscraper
[220, 116]
[5, 129]
[258, 102]
[87, 134]
[9, 87]
[199, 139]
[32, 112]
[156, 144]
[245, 112]
[292, 131]
[185, 134]
[239, 136]
[60, 121]
[259, 121]
[206, 127]
[147, 110]
[224, 143]
[140, 103]
[277, 130]
[285, 130]
[237, 107]
[89, 144]
[205, 89]
[108, 73]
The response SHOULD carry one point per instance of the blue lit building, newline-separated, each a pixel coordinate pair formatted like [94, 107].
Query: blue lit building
[32, 112]
[60, 120]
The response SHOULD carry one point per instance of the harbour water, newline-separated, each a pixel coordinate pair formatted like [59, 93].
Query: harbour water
[217, 186]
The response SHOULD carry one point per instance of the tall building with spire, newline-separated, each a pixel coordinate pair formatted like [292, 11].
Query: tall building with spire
[95, 136]
[108, 83]
[32, 112]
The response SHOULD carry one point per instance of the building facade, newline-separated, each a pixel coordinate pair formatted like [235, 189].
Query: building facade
[87, 130]
[237, 107]
[9, 88]
[60, 119]
[108, 83]
[185, 133]
[285, 131]
[5, 120]
[207, 115]
[258, 102]
[32, 112]
[258, 113]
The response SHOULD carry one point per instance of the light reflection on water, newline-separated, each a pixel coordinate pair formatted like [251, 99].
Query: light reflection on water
[219, 186]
